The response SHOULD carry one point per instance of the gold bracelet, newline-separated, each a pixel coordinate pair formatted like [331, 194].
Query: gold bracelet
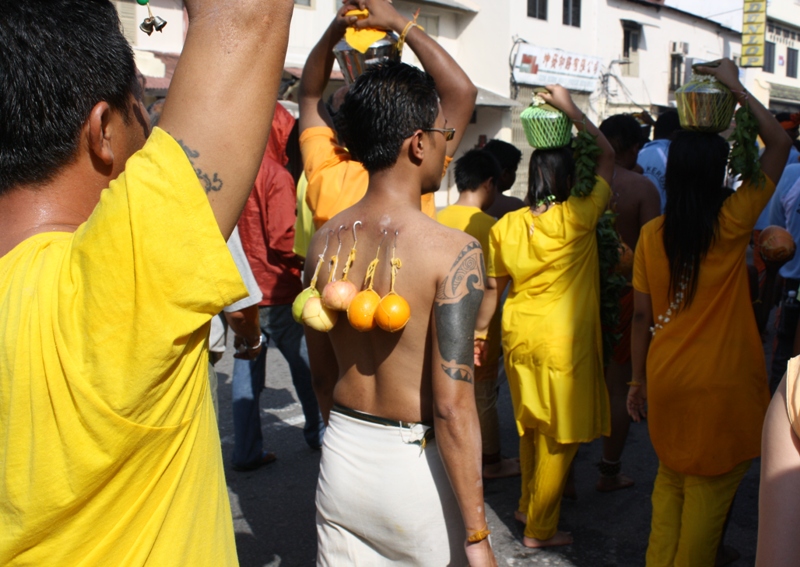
[479, 536]
[481, 337]
[634, 383]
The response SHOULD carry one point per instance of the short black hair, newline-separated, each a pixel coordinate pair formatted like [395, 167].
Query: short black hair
[667, 125]
[386, 105]
[622, 131]
[474, 168]
[59, 58]
[508, 155]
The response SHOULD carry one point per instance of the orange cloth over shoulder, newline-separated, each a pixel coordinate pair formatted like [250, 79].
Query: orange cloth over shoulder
[706, 376]
[335, 180]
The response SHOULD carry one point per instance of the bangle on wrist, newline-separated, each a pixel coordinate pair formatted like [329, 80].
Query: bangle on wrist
[479, 536]
[635, 383]
[481, 336]
[258, 345]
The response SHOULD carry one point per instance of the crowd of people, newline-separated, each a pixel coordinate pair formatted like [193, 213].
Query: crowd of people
[132, 242]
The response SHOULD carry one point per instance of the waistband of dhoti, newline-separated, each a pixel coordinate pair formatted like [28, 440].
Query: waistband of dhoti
[369, 418]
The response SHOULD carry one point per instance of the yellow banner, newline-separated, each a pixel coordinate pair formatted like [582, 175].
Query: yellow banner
[754, 26]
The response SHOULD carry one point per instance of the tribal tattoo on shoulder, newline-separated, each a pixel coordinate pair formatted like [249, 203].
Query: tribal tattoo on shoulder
[208, 182]
[456, 306]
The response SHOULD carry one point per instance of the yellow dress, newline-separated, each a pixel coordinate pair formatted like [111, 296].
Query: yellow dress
[551, 321]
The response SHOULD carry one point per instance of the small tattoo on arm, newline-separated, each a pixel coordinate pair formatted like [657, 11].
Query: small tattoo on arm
[209, 183]
[456, 306]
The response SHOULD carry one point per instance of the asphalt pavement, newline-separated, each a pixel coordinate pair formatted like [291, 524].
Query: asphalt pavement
[273, 507]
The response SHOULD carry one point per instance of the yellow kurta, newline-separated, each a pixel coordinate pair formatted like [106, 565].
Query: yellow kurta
[551, 321]
[109, 448]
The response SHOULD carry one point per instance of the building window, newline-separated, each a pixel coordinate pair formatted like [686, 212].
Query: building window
[791, 63]
[769, 57]
[303, 3]
[676, 72]
[572, 13]
[537, 9]
[630, 50]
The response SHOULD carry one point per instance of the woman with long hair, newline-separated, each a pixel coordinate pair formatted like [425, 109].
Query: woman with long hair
[696, 351]
[551, 322]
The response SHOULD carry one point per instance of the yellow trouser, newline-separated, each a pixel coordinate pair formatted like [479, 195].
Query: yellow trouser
[486, 402]
[544, 463]
[688, 515]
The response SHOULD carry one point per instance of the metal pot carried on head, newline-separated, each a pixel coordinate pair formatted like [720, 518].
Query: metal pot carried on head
[353, 62]
[545, 126]
[705, 104]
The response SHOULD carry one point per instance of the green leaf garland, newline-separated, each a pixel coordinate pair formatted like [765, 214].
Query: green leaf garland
[744, 155]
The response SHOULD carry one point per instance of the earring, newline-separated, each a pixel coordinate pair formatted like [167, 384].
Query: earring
[151, 22]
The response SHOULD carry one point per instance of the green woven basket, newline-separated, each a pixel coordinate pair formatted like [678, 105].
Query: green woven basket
[546, 127]
[705, 104]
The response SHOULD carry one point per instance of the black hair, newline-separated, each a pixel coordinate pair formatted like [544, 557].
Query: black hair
[695, 193]
[59, 58]
[783, 116]
[622, 131]
[550, 175]
[474, 168]
[667, 125]
[386, 105]
[506, 154]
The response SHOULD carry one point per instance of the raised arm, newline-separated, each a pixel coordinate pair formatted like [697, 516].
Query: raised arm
[455, 416]
[776, 142]
[561, 99]
[220, 103]
[456, 92]
[317, 72]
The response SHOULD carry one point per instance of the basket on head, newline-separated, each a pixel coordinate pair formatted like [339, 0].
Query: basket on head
[546, 127]
[705, 104]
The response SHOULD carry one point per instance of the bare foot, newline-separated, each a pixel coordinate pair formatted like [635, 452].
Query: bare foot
[504, 469]
[612, 483]
[521, 517]
[561, 538]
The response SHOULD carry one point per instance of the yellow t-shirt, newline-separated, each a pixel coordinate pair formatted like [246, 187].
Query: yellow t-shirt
[706, 376]
[551, 320]
[335, 180]
[109, 446]
[477, 224]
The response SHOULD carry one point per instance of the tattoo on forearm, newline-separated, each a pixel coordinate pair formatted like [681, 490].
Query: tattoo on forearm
[456, 308]
[209, 183]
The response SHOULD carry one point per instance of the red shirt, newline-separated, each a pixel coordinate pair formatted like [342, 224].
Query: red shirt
[266, 226]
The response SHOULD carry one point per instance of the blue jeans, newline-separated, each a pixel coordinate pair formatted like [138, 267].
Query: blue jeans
[280, 330]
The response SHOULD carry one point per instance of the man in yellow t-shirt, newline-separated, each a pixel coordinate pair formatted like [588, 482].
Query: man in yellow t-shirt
[335, 180]
[112, 263]
[477, 175]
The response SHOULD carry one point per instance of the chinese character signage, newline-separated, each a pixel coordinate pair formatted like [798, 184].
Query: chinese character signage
[544, 66]
[753, 28]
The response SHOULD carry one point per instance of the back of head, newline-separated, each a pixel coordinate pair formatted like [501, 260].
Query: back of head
[59, 59]
[623, 132]
[474, 168]
[385, 106]
[550, 176]
[695, 192]
[507, 155]
[667, 125]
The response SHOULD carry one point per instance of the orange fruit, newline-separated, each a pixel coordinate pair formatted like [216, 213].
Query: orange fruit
[777, 244]
[393, 313]
[317, 316]
[338, 295]
[361, 312]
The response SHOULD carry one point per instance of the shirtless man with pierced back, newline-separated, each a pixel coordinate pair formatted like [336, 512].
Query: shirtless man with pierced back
[390, 492]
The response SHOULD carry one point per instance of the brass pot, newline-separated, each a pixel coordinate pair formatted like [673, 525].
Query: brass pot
[705, 104]
[353, 63]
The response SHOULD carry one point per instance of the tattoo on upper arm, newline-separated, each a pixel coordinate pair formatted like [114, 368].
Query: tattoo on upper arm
[209, 183]
[458, 300]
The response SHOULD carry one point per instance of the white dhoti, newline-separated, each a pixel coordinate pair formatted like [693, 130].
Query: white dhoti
[384, 500]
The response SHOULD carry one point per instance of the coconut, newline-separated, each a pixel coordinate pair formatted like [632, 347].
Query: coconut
[777, 245]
